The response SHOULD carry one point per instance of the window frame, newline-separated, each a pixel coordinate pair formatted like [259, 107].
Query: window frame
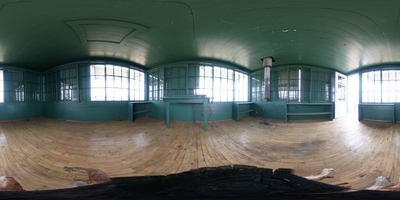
[14, 85]
[116, 83]
[296, 84]
[198, 79]
[67, 84]
[380, 89]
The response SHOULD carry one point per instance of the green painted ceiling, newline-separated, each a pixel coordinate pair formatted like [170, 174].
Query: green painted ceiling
[340, 34]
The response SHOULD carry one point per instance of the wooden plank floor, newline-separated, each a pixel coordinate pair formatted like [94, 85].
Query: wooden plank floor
[34, 151]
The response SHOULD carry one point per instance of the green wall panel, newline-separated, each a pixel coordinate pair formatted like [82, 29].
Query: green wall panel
[87, 111]
[273, 109]
[19, 110]
[308, 117]
[157, 109]
[397, 111]
[379, 112]
[192, 112]
[221, 111]
[101, 111]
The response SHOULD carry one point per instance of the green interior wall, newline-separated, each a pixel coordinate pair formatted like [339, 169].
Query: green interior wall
[192, 112]
[101, 111]
[86, 111]
[272, 109]
[19, 110]
[383, 113]
[380, 112]
[117, 110]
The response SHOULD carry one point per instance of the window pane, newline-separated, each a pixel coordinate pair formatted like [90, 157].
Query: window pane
[117, 82]
[208, 71]
[117, 71]
[125, 72]
[97, 70]
[124, 82]
[217, 72]
[98, 94]
[109, 70]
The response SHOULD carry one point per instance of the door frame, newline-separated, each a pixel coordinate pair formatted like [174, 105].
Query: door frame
[341, 95]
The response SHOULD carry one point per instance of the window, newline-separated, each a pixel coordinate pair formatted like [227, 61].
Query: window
[279, 85]
[1, 87]
[19, 93]
[49, 87]
[156, 85]
[391, 86]
[381, 86]
[68, 84]
[193, 79]
[84, 82]
[115, 83]
[301, 84]
[32, 87]
[257, 86]
[321, 86]
[205, 81]
[218, 83]
[371, 86]
[223, 84]
[14, 87]
[136, 86]
[175, 80]
[241, 86]
[294, 84]
[94, 82]
[109, 83]
[341, 90]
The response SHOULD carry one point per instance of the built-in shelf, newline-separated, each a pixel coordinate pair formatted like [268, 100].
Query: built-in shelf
[324, 110]
[137, 108]
[241, 108]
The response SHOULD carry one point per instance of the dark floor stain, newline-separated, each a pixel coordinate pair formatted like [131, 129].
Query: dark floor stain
[265, 123]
